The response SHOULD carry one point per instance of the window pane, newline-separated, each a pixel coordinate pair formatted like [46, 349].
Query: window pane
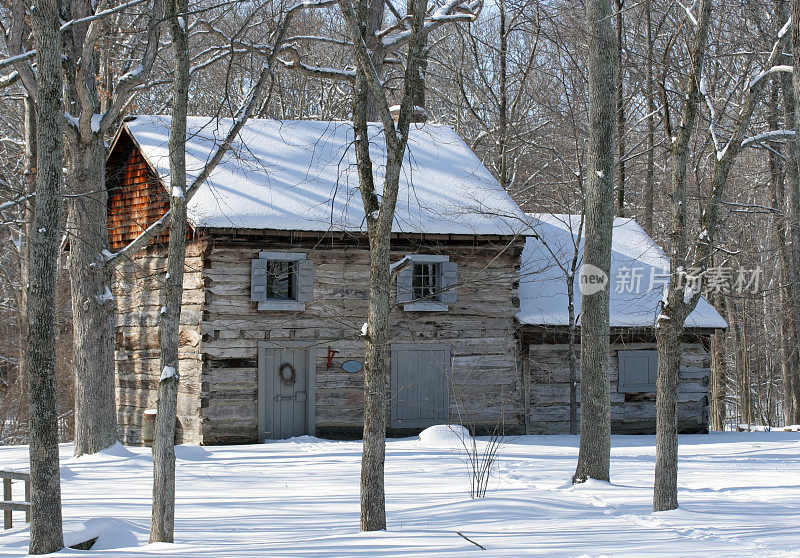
[425, 281]
[280, 280]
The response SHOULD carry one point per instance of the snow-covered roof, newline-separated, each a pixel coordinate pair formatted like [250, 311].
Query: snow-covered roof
[635, 259]
[301, 175]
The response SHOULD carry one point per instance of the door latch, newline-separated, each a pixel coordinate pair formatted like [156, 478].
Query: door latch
[299, 396]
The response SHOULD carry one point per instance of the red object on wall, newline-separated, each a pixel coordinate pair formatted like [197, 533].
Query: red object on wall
[331, 353]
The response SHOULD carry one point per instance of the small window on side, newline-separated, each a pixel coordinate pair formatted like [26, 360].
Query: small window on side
[426, 282]
[637, 371]
[281, 280]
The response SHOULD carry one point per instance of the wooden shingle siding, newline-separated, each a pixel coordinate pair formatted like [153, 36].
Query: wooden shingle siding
[136, 198]
[478, 328]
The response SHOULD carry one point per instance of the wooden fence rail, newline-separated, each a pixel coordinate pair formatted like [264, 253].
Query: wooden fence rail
[7, 504]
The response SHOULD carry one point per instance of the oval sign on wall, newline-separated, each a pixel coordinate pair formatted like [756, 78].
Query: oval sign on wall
[352, 366]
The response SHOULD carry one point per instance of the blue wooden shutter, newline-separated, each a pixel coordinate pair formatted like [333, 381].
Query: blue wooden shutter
[636, 371]
[258, 280]
[305, 280]
[404, 290]
[449, 278]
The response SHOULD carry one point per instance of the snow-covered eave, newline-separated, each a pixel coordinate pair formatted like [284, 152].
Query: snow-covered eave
[523, 320]
[266, 230]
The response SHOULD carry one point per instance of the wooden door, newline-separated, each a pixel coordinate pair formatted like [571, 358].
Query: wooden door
[420, 380]
[285, 390]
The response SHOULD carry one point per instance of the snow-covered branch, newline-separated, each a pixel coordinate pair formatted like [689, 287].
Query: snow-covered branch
[15, 202]
[449, 12]
[754, 87]
[768, 136]
[292, 60]
[100, 14]
[712, 125]
[140, 241]
[18, 58]
[310, 6]
[772, 56]
[9, 79]
[688, 10]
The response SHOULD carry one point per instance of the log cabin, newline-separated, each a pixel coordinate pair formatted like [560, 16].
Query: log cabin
[276, 292]
[276, 286]
[639, 274]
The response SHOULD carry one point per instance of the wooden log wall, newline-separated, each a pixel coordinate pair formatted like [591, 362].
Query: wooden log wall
[479, 328]
[137, 291]
[631, 413]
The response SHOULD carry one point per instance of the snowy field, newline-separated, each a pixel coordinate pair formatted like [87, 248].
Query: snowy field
[739, 494]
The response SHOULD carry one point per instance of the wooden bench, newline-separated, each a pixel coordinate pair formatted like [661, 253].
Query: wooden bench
[7, 504]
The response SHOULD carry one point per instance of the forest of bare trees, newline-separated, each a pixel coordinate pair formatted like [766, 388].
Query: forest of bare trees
[680, 116]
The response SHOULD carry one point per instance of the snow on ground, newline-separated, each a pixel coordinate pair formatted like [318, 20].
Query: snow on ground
[739, 494]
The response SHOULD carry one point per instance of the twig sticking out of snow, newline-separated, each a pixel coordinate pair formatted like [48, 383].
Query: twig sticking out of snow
[463, 536]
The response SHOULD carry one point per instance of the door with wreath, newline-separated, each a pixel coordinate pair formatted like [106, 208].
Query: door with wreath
[285, 390]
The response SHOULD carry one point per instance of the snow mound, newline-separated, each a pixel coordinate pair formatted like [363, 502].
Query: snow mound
[109, 532]
[116, 450]
[66, 472]
[445, 436]
[192, 453]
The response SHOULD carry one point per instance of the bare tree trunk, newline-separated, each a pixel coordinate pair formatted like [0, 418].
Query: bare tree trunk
[502, 123]
[620, 202]
[669, 326]
[793, 185]
[369, 94]
[24, 251]
[373, 14]
[719, 372]
[92, 303]
[46, 530]
[792, 219]
[668, 342]
[594, 457]
[779, 225]
[373, 506]
[649, 180]
[573, 358]
[162, 528]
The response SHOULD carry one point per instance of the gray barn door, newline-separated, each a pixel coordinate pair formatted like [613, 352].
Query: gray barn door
[285, 391]
[420, 375]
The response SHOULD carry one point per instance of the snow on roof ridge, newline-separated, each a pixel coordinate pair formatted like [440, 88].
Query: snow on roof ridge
[543, 291]
[300, 175]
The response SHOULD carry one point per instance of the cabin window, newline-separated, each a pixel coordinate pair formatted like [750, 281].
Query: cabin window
[637, 371]
[282, 280]
[427, 282]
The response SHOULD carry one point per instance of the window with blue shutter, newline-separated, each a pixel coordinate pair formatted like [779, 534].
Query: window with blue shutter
[637, 371]
[427, 283]
[282, 280]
